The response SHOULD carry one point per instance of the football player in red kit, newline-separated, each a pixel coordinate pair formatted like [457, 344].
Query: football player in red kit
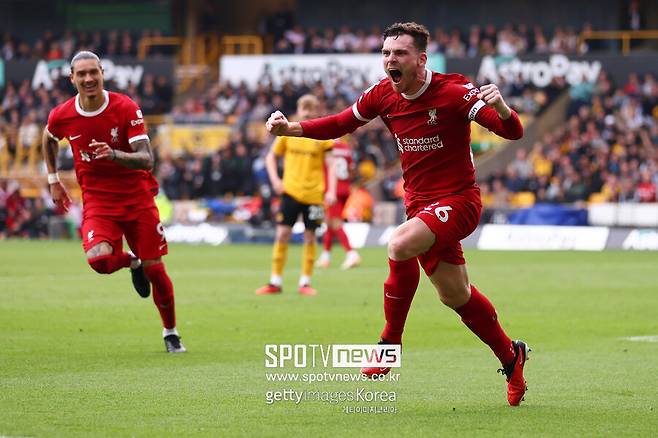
[343, 164]
[113, 159]
[429, 115]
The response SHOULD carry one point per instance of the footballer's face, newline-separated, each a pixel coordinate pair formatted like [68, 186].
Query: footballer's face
[403, 63]
[87, 77]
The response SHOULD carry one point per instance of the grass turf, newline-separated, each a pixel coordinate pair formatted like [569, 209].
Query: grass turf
[82, 355]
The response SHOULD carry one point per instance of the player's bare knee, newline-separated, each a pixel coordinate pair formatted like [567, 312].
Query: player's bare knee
[399, 248]
[101, 249]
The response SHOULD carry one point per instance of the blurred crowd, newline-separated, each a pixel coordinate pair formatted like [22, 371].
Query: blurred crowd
[23, 216]
[510, 40]
[289, 36]
[606, 152]
[51, 46]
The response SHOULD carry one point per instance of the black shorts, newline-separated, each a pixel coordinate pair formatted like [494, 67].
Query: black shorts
[289, 212]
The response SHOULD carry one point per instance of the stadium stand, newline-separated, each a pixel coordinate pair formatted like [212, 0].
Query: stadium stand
[50, 46]
[477, 40]
[606, 152]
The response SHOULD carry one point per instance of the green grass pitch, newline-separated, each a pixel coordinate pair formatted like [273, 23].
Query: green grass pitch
[82, 355]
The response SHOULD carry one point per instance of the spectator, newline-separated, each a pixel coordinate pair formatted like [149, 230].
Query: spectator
[345, 40]
[632, 16]
[213, 176]
[646, 189]
[296, 38]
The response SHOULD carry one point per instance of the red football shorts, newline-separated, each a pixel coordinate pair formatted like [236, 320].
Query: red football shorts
[451, 219]
[143, 231]
[335, 211]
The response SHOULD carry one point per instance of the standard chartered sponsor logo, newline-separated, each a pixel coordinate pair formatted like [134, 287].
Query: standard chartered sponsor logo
[421, 144]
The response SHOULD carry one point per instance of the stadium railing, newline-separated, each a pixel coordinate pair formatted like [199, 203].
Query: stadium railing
[624, 35]
[197, 57]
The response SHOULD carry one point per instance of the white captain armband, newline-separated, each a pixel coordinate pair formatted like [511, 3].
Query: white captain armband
[475, 108]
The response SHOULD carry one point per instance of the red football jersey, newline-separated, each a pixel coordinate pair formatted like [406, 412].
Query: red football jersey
[107, 187]
[344, 163]
[431, 128]
[432, 131]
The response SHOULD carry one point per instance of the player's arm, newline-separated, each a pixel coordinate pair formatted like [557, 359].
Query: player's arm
[496, 116]
[323, 128]
[271, 164]
[140, 158]
[332, 181]
[50, 147]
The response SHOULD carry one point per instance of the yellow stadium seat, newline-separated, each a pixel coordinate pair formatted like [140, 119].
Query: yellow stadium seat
[597, 198]
[30, 192]
[522, 200]
[487, 200]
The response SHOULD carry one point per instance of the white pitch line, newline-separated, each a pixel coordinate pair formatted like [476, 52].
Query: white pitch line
[642, 338]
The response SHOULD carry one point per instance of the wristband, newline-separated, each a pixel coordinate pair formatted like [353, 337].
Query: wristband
[53, 178]
[114, 155]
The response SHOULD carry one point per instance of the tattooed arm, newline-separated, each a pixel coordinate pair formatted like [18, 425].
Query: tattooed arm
[141, 158]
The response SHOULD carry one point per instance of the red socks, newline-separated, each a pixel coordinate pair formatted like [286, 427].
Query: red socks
[328, 239]
[479, 315]
[107, 264]
[399, 290]
[342, 238]
[163, 290]
[163, 293]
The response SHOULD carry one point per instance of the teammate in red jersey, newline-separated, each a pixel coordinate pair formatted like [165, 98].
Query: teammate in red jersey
[429, 115]
[113, 159]
[343, 164]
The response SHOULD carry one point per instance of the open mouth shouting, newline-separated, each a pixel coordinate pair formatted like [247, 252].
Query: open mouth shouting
[396, 75]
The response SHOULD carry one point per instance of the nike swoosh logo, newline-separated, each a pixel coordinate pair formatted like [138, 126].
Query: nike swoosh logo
[162, 246]
[391, 296]
[73, 137]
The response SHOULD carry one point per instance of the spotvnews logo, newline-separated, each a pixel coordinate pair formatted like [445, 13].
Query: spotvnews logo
[334, 355]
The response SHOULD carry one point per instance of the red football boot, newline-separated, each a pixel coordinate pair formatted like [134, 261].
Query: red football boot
[372, 371]
[307, 290]
[516, 384]
[268, 289]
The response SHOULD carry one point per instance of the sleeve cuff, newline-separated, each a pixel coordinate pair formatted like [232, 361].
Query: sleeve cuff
[358, 115]
[50, 134]
[137, 138]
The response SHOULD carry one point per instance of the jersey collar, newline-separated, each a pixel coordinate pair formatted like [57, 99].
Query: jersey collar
[78, 107]
[417, 94]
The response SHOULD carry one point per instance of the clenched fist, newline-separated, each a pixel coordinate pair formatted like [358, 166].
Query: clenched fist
[490, 94]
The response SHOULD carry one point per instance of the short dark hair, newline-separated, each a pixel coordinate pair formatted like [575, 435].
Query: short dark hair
[418, 32]
[85, 54]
